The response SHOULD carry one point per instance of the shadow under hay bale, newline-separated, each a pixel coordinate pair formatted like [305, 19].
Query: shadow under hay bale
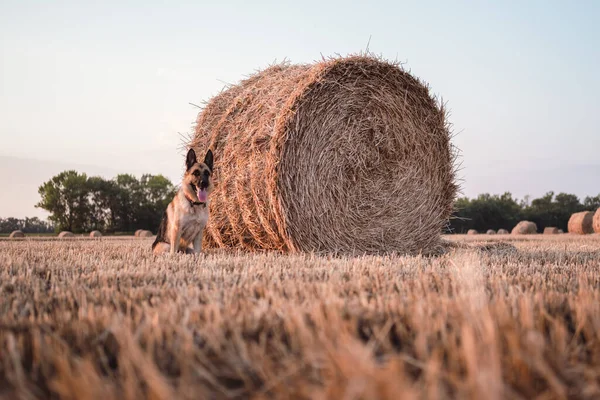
[343, 156]
[550, 230]
[16, 235]
[581, 223]
[496, 248]
[524, 228]
[95, 234]
[596, 222]
[66, 234]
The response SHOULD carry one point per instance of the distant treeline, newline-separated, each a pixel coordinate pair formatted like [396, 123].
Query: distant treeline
[79, 203]
[504, 212]
[26, 225]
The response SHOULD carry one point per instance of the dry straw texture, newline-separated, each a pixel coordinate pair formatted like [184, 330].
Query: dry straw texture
[95, 234]
[597, 221]
[491, 232]
[90, 319]
[345, 155]
[472, 232]
[66, 234]
[581, 223]
[16, 234]
[549, 230]
[503, 232]
[525, 228]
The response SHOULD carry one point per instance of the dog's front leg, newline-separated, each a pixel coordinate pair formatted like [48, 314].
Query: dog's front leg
[198, 244]
[175, 238]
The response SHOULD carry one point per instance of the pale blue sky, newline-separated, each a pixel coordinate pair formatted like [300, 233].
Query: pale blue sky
[107, 85]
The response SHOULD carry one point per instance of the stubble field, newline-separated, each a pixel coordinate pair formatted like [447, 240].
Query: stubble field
[494, 318]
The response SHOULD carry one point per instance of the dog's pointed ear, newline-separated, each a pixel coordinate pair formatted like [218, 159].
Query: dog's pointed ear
[208, 160]
[190, 159]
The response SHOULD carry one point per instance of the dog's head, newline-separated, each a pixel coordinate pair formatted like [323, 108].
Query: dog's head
[198, 175]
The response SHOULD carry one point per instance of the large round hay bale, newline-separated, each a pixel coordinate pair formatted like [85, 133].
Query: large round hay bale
[95, 234]
[145, 234]
[345, 155]
[491, 232]
[550, 230]
[581, 223]
[137, 233]
[503, 232]
[525, 228]
[16, 234]
[66, 234]
[596, 221]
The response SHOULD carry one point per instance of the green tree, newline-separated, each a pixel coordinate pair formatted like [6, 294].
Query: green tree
[127, 202]
[65, 196]
[102, 203]
[591, 203]
[155, 192]
[10, 224]
[36, 225]
[27, 225]
[460, 221]
[486, 212]
[78, 203]
[549, 210]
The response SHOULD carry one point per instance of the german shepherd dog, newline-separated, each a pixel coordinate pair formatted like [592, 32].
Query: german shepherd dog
[186, 216]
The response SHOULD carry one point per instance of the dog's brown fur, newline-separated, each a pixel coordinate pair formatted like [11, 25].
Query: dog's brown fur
[185, 218]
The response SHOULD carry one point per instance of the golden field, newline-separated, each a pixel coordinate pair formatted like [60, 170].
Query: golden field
[498, 317]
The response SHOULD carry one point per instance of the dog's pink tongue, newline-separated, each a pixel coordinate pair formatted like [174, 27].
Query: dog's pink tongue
[202, 195]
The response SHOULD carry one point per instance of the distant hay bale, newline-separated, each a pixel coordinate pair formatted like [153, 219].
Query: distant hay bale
[597, 221]
[560, 231]
[16, 234]
[66, 234]
[503, 232]
[472, 232]
[581, 223]
[346, 155]
[524, 228]
[550, 230]
[137, 233]
[145, 234]
[491, 232]
[95, 234]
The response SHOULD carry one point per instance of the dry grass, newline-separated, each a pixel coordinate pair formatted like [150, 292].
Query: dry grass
[347, 155]
[494, 318]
